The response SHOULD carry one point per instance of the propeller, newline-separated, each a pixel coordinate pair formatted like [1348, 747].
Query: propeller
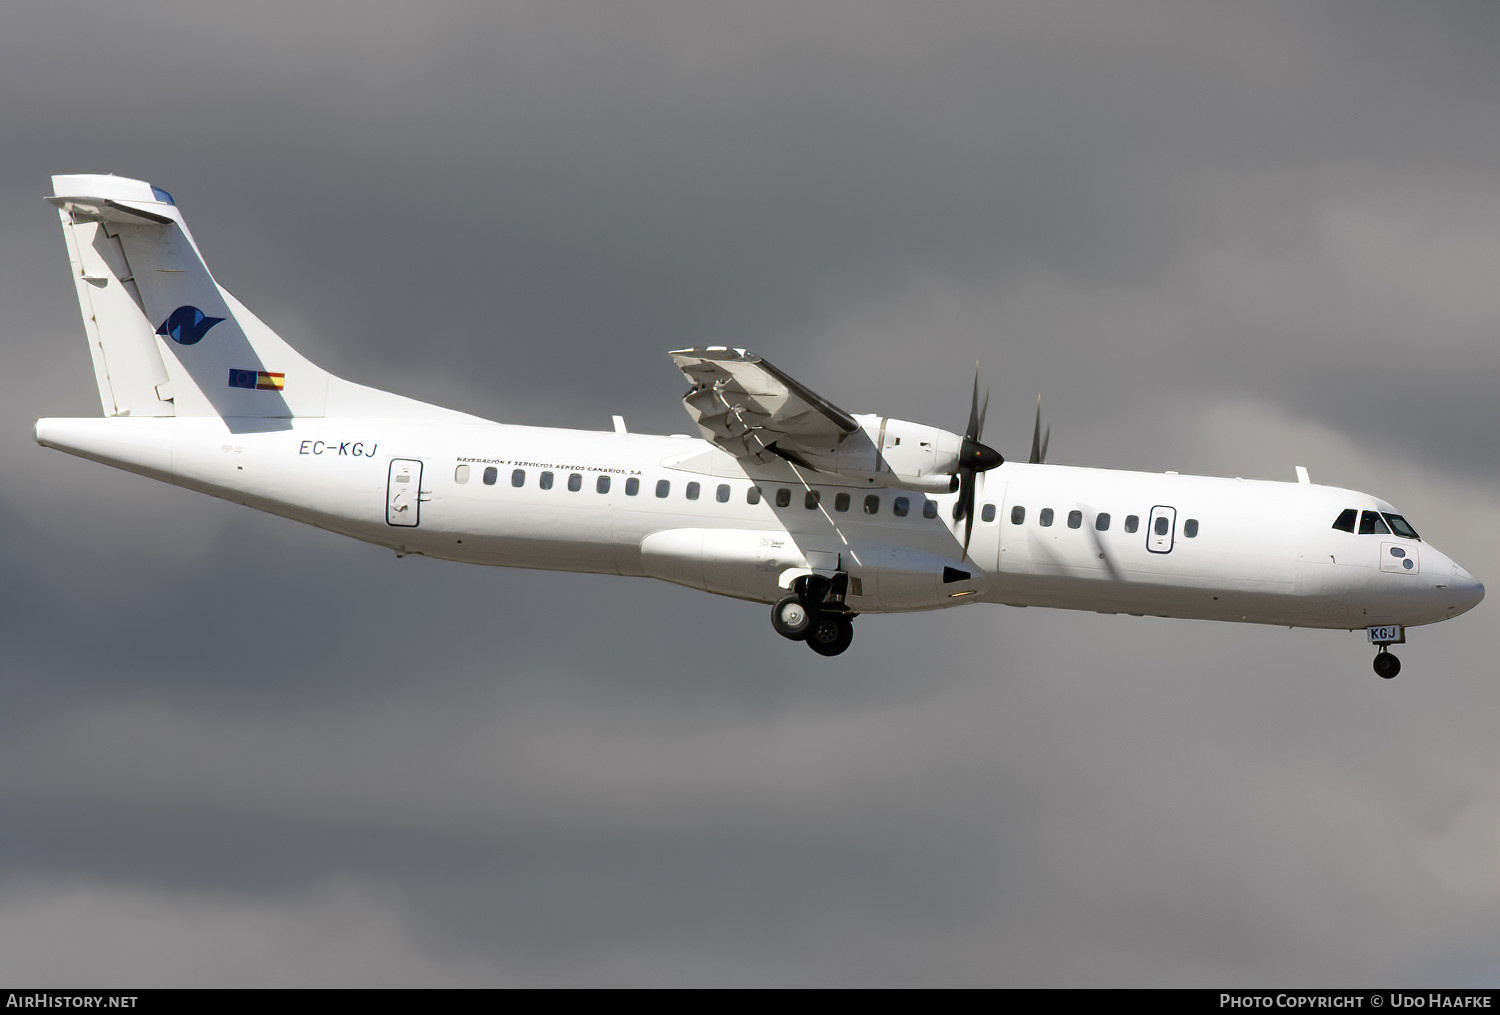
[973, 458]
[1038, 438]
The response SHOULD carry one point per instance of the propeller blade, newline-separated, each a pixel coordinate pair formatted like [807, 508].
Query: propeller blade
[1038, 438]
[973, 458]
[972, 454]
[965, 491]
[975, 420]
[964, 509]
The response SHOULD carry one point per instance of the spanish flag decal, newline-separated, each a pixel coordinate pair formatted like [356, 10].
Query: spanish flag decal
[259, 379]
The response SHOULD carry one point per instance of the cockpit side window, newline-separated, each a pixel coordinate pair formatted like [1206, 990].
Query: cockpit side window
[1370, 523]
[1345, 521]
[1400, 526]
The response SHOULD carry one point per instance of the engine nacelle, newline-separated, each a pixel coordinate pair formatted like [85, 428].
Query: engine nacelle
[891, 452]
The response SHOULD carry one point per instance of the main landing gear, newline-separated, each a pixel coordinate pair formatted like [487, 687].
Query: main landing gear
[815, 613]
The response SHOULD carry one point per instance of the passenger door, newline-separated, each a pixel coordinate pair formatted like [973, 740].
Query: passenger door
[1162, 529]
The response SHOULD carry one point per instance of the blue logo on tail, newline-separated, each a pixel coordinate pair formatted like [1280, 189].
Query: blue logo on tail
[187, 325]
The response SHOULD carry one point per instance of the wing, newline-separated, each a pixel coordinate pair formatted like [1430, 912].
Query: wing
[749, 408]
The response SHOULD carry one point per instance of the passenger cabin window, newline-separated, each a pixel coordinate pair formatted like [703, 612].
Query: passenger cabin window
[1400, 526]
[1045, 518]
[1370, 523]
[1017, 515]
[988, 514]
[1075, 519]
[783, 497]
[461, 474]
[1346, 519]
[602, 484]
[692, 491]
[663, 487]
[1162, 525]
[1132, 522]
[545, 481]
[518, 477]
[632, 486]
[490, 475]
[872, 504]
[929, 509]
[900, 506]
[575, 482]
[1190, 528]
[841, 502]
[722, 493]
[752, 495]
[1101, 522]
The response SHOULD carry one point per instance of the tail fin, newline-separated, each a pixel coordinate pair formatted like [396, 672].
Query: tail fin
[166, 340]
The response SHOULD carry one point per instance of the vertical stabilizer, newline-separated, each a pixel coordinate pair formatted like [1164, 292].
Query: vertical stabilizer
[167, 340]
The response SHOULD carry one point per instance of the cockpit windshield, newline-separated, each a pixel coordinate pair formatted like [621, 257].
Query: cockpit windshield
[1372, 523]
[1400, 527]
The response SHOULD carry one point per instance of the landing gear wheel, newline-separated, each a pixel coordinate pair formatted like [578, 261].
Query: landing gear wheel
[791, 618]
[1387, 665]
[831, 633]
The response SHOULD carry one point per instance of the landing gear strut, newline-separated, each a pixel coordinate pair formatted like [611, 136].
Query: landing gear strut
[815, 613]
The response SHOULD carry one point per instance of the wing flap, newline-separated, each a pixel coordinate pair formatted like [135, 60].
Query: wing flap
[745, 405]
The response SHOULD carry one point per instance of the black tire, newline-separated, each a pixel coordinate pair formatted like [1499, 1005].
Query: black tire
[791, 618]
[1387, 665]
[831, 634]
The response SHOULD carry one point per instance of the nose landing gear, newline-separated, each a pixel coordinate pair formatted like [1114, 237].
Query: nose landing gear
[1383, 636]
[815, 613]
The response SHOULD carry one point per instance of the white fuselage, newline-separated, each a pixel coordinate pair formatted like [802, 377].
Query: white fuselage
[1176, 546]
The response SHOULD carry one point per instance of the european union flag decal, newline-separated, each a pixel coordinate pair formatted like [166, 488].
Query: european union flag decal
[257, 380]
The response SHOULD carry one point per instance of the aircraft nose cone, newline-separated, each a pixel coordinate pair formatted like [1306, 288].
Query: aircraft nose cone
[979, 457]
[1464, 591]
[1472, 593]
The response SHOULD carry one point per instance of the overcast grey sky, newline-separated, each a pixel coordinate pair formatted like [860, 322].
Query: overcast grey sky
[1219, 238]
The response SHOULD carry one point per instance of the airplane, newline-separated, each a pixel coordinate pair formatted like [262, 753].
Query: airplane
[782, 499]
